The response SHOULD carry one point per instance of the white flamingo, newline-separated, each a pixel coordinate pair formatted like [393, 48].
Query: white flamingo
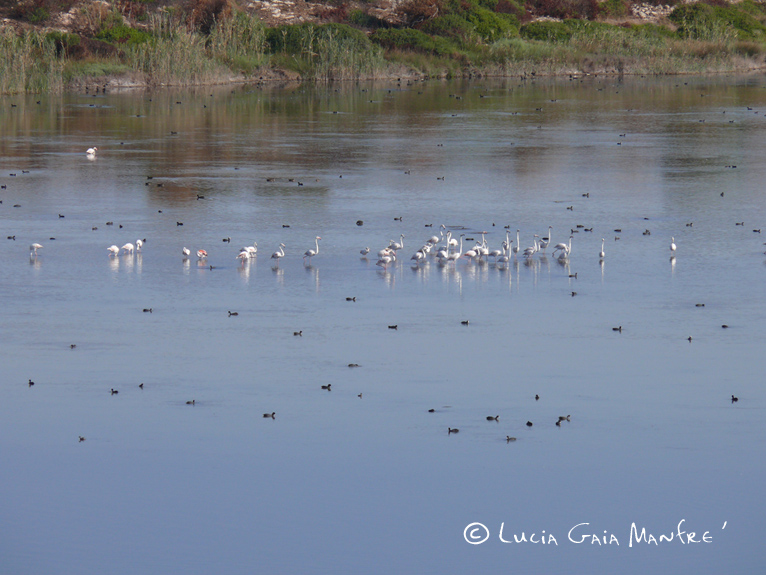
[186, 251]
[311, 253]
[128, 248]
[387, 259]
[418, 256]
[530, 251]
[139, 245]
[113, 250]
[396, 246]
[91, 151]
[562, 246]
[546, 241]
[672, 245]
[517, 247]
[364, 252]
[601, 254]
[280, 253]
[34, 247]
[201, 254]
[251, 251]
[566, 249]
[243, 255]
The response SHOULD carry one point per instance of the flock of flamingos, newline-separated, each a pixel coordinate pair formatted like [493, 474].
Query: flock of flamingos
[444, 248]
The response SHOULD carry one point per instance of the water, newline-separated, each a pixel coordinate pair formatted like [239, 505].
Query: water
[338, 483]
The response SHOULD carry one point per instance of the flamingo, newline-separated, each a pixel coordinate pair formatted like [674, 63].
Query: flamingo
[563, 246]
[201, 254]
[364, 252]
[546, 241]
[470, 254]
[454, 256]
[565, 250]
[529, 252]
[311, 253]
[139, 245]
[387, 259]
[91, 151]
[418, 256]
[518, 244]
[396, 246]
[497, 253]
[251, 251]
[601, 253]
[128, 248]
[113, 250]
[186, 251]
[280, 253]
[243, 255]
[672, 245]
[34, 247]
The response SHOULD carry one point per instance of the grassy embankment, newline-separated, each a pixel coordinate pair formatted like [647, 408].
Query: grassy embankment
[465, 37]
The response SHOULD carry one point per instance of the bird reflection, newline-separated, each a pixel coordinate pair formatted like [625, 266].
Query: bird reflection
[244, 270]
[388, 277]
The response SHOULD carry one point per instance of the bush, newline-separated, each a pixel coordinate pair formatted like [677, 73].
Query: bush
[587, 9]
[203, 14]
[416, 11]
[615, 8]
[365, 20]
[302, 38]
[449, 26]
[414, 40]
[706, 22]
[491, 26]
[556, 32]
[122, 34]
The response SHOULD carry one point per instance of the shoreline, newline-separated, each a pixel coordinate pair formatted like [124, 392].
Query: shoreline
[285, 78]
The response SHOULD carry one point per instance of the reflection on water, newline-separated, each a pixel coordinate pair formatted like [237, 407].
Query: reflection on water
[362, 469]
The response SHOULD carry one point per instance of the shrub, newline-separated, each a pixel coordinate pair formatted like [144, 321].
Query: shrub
[491, 26]
[449, 26]
[122, 34]
[365, 20]
[557, 32]
[302, 38]
[414, 40]
[202, 14]
[707, 22]
[615, 8]
[587, 9]
[416, 11]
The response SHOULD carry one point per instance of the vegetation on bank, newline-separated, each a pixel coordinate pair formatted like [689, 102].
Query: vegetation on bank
[209, 41]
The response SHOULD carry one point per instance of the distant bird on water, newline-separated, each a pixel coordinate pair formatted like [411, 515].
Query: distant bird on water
[113, 250]
[186, 252]
[91, 152]
[672, 245]
[311, 253]
[34, 247]
[201, 254]
[280, 253]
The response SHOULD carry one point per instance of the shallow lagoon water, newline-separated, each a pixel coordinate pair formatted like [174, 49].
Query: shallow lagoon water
[342, 484]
